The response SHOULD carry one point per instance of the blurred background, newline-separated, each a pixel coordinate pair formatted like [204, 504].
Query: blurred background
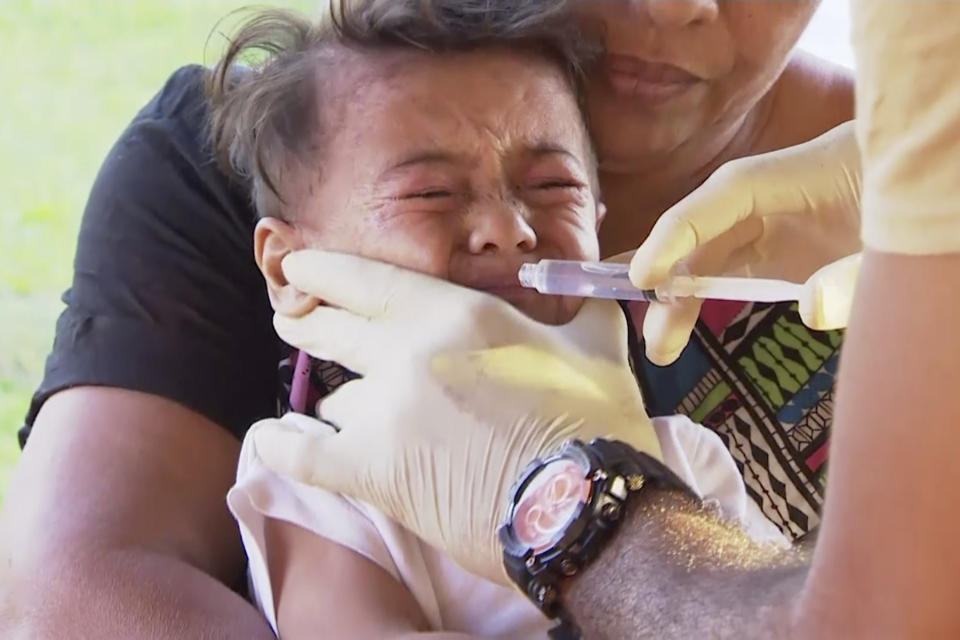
[75, 72]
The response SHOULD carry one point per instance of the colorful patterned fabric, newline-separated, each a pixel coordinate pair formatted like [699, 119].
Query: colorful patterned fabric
[752, 372]
[764, 382]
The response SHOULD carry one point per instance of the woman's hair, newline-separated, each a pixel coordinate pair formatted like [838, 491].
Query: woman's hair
[265, 93]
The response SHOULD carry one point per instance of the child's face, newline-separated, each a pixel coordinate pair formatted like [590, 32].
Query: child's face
[461, 166]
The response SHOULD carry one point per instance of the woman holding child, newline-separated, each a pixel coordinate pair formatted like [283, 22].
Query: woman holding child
[166, 353]
[643, 555]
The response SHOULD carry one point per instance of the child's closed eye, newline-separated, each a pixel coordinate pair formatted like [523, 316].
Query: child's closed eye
[556, 183]
[429, 194]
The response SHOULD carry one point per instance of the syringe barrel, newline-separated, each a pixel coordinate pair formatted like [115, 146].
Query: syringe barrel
[584, 279]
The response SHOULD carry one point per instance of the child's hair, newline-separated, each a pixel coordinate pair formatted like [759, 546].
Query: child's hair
[264, 120]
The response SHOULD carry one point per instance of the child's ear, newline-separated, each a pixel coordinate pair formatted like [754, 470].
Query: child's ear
[601, 213]
[273, 239]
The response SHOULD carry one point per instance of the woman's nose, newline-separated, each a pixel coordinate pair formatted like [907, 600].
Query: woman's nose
[668, 14]
[498, 227]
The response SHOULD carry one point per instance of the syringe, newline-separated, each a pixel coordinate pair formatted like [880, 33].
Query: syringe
[611, 280]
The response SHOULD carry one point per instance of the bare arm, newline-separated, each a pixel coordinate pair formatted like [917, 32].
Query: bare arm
[675, 570]
[116, 524]
[886, 562]
[891, 525]
[324, 590]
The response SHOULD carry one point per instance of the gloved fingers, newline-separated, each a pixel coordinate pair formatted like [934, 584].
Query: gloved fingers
[732, 249]
[320, 461]
[599, 329]
[725, 199]
[819, 180]
[333, 334]
[365, 287]
[353, 406]
[302, 423]
[667, 328]
[641, 436]
[828, 294]
[818, 175]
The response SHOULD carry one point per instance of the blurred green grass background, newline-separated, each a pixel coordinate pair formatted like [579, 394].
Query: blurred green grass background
[74, 73]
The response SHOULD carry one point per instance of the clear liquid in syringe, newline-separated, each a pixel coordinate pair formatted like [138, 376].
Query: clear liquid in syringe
[583, 279]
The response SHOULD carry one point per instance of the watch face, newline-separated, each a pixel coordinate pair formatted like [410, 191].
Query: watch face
[549, 503]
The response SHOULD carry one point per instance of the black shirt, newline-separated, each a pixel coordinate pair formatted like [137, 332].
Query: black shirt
[166, 298]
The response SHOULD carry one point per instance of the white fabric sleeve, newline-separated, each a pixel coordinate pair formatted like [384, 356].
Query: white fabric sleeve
[908, 124]
[698, 456]
[259, 494]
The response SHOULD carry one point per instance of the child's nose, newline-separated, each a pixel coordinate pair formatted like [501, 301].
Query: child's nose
[500, 226]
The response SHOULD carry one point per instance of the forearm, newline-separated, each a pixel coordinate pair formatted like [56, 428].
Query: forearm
[124, 594]
[890, 526]
[674, 570]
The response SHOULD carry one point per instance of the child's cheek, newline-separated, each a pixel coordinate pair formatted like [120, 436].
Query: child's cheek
[569, 239]
[419, 242]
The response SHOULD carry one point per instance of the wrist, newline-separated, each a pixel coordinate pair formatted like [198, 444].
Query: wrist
[675, 562]
[564, 510]
[637, 525]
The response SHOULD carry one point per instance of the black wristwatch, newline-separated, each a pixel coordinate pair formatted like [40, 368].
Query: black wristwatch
[563, 511]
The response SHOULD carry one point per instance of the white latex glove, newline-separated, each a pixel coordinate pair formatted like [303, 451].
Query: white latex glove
[784, 214]
[460, 392]
[908, 123]
[828, 294]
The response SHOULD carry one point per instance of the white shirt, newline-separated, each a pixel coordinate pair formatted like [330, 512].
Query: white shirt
[451, 598]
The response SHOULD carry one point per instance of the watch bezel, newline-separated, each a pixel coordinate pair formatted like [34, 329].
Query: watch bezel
[575, 525]
[539, 574]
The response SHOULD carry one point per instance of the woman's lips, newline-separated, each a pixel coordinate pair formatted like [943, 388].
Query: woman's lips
[650, 81]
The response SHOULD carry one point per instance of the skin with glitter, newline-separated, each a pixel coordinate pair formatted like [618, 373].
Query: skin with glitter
[715, 571]
[705, 541]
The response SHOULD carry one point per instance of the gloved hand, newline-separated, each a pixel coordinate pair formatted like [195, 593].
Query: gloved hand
[908, 124]
[828, 294]
[784, 214]
[460, 392]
